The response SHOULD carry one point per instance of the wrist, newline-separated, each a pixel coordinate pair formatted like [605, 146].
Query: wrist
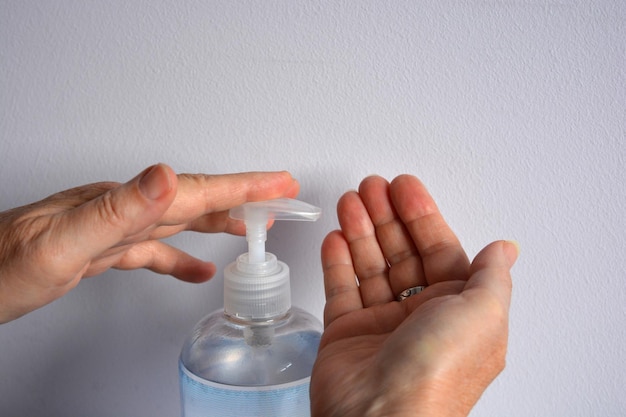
[425, 398]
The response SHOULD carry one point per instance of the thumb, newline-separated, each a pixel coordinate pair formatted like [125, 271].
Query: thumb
[120, 213]
[490, 270]
[502, 254]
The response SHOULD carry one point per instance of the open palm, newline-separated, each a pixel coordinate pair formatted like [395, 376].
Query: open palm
[431, 354]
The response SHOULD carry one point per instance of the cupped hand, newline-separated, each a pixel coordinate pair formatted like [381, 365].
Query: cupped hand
[432, 354]
[48, 246]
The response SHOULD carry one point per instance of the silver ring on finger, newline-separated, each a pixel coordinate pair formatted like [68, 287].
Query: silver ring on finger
[411, 291]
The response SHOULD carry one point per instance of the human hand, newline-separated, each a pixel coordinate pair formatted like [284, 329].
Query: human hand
[48, 246]
[432, 354]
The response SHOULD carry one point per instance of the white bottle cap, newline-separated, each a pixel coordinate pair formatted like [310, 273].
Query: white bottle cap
[256, 285]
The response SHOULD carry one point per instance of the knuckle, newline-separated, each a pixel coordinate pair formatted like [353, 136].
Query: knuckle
[109, 211]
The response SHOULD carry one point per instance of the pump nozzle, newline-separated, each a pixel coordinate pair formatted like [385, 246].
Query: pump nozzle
[256, 215]
[256, 286]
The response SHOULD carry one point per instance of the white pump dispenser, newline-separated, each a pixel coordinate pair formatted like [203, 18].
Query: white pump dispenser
[255, 356]
[256, 286]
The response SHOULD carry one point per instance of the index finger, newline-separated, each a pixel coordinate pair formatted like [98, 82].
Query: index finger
[442, 255]
[203, 200]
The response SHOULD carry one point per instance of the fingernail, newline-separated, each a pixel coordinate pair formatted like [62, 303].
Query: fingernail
[155, 182]
[294, 189]
[512, 251]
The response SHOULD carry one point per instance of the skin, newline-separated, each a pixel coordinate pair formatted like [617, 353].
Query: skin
[432, 354]
[47, 247]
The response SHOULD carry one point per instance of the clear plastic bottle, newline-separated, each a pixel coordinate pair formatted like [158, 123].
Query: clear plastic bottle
[254, 357]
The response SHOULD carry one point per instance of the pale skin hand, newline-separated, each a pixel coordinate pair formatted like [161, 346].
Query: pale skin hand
[432, 354]
[47, 247]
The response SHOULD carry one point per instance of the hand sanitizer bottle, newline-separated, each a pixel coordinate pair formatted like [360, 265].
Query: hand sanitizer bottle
[254, 357]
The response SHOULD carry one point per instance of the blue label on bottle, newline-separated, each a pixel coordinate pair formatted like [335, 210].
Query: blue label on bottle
[200, 397]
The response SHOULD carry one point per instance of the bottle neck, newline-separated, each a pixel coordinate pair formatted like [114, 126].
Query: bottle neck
[257, 332]
[265, 322]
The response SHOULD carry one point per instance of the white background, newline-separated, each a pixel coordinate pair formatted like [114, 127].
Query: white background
[512, 112]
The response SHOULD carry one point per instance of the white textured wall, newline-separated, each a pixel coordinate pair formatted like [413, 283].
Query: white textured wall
[512, 112]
